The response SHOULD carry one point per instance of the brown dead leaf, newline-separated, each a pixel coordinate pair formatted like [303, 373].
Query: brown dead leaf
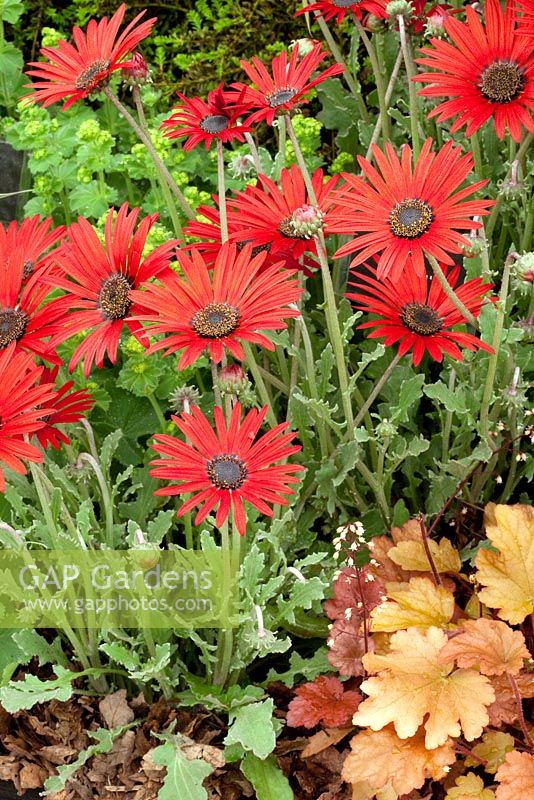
[32, 776]
[323, 739]
[213, 755]
[115, 709]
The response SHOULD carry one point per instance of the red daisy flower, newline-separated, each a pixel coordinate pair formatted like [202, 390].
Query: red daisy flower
[415, 311]
[25, 318]
[99, 279]
[328, 9]
[208, 238]
[66, 406]
[403, 213]
[23, 405]
[288, 85]
[283, 217]
[204, 310]
[526, 18]
[34, 237]
[484, 71]
[204, 121]
[75, 71]
[227, 466]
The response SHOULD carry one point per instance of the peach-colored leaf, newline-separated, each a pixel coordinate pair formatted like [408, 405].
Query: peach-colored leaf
[488, 644]
[508, 575]
[492, 750]
[419, 603]
[323, 739]
[412, 686]
[469, 787]
[382, 757]
[516, 777]
[411, 555]
[504, 708]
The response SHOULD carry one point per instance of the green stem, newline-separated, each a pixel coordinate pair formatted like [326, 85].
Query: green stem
[406, 46]
[280, 159]
[214, 380]
[477, 155]
[389, 92]
[381, 382]
[105, 493]
[260, 383]
[254, 152]
[445, 440]
[164, 173]
[312, 383]
[351, 82]
[222, 192]
[332, 320]
[379, 80]
[226, 636]
[449, 291]
[493, 359]
[157, 409]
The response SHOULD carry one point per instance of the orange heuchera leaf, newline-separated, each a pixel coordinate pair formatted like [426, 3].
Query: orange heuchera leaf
[411, 555]
[323, 739]
[492, 749]
[508, 576]
[516, 777]
[503, 711]
[325, 700]
[418, 603]
[469, 787]
[381, 757]
[488, 644]
[413, 686]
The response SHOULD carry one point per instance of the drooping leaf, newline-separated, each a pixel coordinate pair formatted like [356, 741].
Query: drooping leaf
[324, 700]
[382, 757]
[516, 777]
[252, 727]
[418, 603]
[413, 687]
[488, 644]
[508, 576]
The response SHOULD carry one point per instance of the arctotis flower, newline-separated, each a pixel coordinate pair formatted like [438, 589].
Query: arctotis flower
[205, 120]
[66, 407]
[288, 84]
[26, 319]
[338, 9]
[212, 311]
[484, 71]
[226, 466]
[74, 71]
[34, 237]
[98, 280]
[283, 216]
[415, 312]
[402, 212]
[23, 406]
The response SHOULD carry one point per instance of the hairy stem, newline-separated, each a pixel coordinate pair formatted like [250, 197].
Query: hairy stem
[449, 291]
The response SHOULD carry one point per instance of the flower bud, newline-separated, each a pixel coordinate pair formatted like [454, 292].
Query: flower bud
[524, 267]
[135, 71]
[183, 398]
[399, 8]
[307, 221]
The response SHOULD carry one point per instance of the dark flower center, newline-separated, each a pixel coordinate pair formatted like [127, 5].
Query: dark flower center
[114, 298]
[12, 325]
[281, 96]
[421, 319]
[93, 76]
[502, 82]
[344, 3]
[259, 248]
[411, 218]
[215, 320]
[226, 471]
[214, 123]
[287, 229]
[27, 269]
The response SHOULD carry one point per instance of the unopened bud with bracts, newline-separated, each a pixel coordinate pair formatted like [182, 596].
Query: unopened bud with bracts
[306, 221]
[232, 380]
[136, 71]
[399, 8]
[305, 46]
[183, 398]
[524, 267]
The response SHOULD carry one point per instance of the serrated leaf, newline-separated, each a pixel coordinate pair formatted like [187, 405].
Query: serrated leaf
[184, 778]
[267, 778]
[21, 695]
[120, 654]
[252, 727]
[453, 401]
[33, 645]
